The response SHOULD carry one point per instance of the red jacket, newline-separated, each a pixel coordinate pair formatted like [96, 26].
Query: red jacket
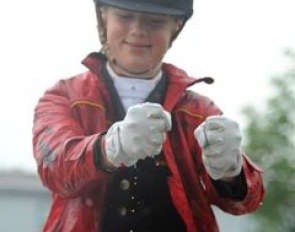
[72, 115]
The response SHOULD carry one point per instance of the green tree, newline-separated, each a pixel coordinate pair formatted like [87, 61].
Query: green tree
[270, 139]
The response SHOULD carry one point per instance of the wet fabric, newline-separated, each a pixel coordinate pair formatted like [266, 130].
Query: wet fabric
[138, 197]
[72, 116]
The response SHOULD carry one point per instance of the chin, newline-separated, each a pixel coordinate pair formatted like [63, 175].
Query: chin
[137, 68]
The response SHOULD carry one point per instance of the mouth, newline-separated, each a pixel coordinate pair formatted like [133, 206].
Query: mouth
[137, 45]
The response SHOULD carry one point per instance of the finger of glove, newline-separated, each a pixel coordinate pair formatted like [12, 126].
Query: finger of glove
[200, 136]
[129, 162]
[214, 150]
[209, 127]
[157, 150]
[218, 155]
[155, 110]
[155, 143]
[214, 136]
[229, 138]
[215, 123]
[150, 108]
[114, 152]
[164, 116]
[150, 105]
[205, 137]
[143, 110]
[221, 123]
[213, 172]
[140, 112]
[149, 150]
[236, 166]
[220, 129]
[156, 125]
[168, 121]
[158, 138]
[223, 165]
[217, 160]
[135, 147]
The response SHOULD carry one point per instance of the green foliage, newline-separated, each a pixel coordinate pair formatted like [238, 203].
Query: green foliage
[270, 139]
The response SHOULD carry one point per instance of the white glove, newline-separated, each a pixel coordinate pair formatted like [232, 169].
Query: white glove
[220, 138]
[139, 135]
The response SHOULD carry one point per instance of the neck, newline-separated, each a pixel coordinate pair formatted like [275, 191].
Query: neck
[147, 74]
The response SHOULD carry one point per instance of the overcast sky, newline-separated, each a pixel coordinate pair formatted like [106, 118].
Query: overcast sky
[238, 42]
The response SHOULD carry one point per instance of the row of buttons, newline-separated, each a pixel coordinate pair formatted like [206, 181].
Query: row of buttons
[125, 184]
[123, 211]
[131, 202]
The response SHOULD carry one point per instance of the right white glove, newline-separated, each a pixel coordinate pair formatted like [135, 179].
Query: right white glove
[141, 134]
[220, 137]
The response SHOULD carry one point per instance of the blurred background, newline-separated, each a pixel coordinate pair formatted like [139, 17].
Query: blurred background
[247, 46]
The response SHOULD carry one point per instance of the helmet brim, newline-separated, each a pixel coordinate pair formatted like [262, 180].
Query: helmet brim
[145, 7]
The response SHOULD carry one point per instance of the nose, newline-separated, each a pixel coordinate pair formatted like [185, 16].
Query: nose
[138, 27]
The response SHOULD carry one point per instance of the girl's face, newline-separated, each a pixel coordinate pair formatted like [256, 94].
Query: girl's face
[137, 42]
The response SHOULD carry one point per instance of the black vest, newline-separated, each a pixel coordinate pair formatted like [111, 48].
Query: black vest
[138, 198]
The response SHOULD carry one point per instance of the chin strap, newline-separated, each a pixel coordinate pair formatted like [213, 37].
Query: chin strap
[147, 74]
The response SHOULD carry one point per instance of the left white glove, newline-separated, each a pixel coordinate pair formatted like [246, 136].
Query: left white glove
[220, 139]
[139, 135]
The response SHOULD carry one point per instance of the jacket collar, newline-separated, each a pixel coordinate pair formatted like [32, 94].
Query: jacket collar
[179, 81]
[94, 62]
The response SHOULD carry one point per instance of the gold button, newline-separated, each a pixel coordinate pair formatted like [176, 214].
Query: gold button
[124, 184]
[89, 202]
[122, 211]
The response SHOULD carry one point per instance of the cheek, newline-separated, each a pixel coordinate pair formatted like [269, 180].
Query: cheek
[114, 33]
[162, 40]
[111, 38]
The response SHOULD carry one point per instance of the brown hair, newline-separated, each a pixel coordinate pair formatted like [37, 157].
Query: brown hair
[102, 30]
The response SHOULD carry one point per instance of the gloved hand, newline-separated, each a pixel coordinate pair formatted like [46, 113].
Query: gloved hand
[220, 138]
[139, 135]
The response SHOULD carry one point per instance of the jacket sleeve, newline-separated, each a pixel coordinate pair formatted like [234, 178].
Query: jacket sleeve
[251, 185]
[62, 149]
[254, 191]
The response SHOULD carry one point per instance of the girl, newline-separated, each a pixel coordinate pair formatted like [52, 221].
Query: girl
[126, 147]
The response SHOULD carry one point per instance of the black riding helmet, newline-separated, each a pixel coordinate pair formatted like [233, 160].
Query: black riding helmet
[178, 8]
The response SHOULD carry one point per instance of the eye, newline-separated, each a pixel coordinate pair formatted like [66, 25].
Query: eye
[157, 21]
[125, 16]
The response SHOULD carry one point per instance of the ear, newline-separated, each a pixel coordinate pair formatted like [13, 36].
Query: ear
[179, 23]
[102, 12]
[101, 23]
